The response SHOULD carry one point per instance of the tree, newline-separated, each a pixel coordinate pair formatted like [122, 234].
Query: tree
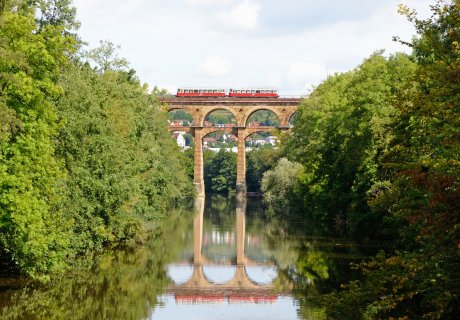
[420, 279]
[32, 228]
[278, 184]
[220, 171]
[258, 161]
[341, 131]
[54, 12]
[106, 57]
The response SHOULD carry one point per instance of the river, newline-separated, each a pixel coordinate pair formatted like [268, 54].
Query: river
[222, 259]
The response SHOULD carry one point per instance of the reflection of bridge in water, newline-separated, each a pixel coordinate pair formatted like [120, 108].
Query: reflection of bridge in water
[240, 288]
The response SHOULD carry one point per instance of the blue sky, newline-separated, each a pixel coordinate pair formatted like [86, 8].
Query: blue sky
[290, 45]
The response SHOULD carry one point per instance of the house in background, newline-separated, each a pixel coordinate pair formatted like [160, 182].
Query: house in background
[180, 139]
[273, 140]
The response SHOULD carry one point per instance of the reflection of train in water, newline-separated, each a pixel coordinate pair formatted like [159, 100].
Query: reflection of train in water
[236, 93]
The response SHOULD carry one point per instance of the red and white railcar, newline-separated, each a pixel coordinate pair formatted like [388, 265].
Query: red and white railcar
[257, 93]
[185, 92]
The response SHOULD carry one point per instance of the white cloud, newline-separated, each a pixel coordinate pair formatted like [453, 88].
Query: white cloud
[242, 17]
[206, 2]
[216, 66]
[167, 41]
[306, 73]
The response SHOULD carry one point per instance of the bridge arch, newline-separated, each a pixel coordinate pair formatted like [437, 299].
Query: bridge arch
[275, 120]
[255, 136]
[292, 116]
[224, 137]
[182, 116]
[228, 110]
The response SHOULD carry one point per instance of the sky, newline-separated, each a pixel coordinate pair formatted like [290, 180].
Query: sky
[289, 45]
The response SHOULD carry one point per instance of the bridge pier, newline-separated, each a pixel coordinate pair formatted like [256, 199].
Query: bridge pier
[241, 164]
[198, 176]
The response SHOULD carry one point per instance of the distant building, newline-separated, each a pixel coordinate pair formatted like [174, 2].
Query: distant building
[208, 142]
[180, 139]
[258, 141]
[273, 140]
[176, 123]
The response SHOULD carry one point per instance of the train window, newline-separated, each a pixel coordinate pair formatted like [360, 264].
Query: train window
[257, 91]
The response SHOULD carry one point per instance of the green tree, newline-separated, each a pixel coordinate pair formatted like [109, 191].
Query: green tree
[258, 161]
[53, 12]
[106, 57]
[85, 155]
[118, 154]
[421, 168]
[341, 131]
[278, 184]
[220, 171]
[32, 228]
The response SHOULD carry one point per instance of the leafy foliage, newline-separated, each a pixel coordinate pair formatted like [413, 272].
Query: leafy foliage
[85, 155]
[279, 183]
[380, 149]
[220, 171]
[341, 131]
[116, 149]
[258, 161]
[32, 228]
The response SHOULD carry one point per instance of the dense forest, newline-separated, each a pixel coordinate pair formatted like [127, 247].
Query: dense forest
[374, 156]
[85, 154]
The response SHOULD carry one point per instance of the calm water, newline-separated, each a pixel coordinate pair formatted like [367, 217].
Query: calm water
[220, 260]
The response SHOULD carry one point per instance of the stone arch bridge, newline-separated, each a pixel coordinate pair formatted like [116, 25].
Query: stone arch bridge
[241, 109]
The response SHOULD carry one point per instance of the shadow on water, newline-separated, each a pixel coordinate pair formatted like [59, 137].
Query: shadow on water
[229, 260]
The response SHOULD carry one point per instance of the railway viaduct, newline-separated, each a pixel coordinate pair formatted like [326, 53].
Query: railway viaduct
[241, 109]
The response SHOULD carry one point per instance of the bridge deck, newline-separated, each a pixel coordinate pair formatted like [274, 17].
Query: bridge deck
[230, 101]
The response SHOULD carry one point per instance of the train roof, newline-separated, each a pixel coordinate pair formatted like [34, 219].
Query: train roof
[252, 88]
[198, 88]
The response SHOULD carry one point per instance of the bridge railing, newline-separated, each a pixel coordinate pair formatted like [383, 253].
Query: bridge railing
[174, 99]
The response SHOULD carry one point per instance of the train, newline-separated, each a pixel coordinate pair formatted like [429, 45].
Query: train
[235, 93]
